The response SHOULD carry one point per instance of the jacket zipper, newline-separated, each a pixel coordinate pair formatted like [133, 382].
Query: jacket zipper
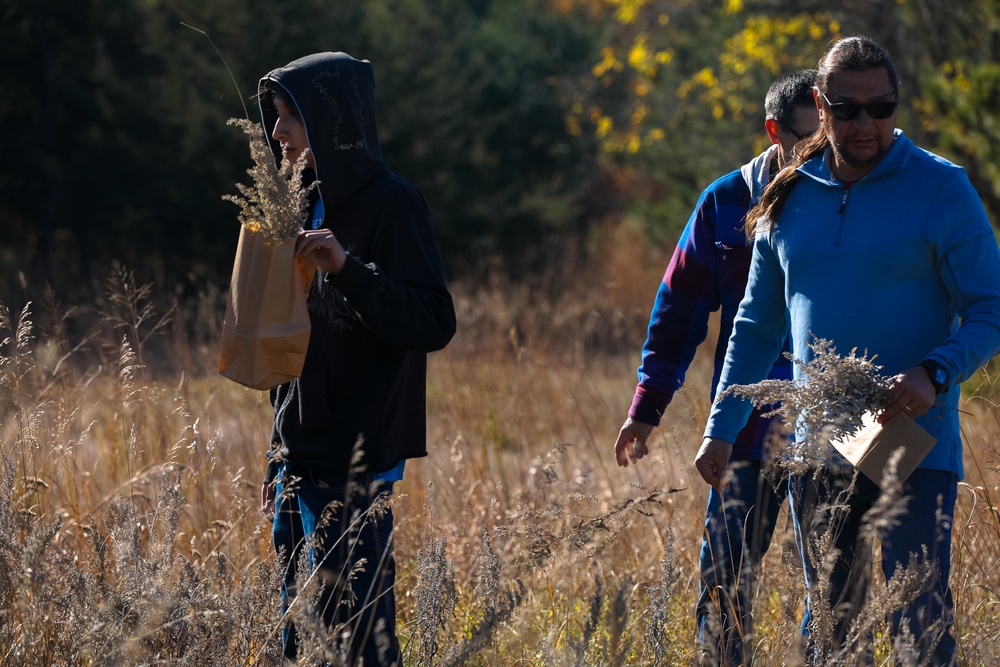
[843, 207]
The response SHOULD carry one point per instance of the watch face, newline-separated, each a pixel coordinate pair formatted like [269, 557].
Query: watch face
[940, 377]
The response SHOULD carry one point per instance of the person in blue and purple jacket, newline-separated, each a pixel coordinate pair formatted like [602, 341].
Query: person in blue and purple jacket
[708, 271]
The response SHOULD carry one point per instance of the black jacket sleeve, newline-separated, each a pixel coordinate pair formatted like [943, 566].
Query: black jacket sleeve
[402, 296]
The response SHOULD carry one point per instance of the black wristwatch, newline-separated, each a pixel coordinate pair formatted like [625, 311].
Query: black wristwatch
[938, 375]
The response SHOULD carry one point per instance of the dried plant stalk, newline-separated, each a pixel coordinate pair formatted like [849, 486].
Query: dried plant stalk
[275, 205]
[830, 398]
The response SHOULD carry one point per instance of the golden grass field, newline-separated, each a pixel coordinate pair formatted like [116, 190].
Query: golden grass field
[130, 532]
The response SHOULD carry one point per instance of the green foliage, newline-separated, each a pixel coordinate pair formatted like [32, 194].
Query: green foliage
[476, 120]
[959, 106]
[122, 151]
[678, 96]
[523, 122]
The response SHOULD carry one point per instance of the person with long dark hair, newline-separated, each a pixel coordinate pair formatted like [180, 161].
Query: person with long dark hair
[876, 245]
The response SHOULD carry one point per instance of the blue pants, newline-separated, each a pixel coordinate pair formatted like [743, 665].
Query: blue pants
[822, 504]
[330, 519]
[738, 530]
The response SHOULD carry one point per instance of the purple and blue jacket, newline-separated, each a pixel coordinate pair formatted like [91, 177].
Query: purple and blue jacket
[708, 271]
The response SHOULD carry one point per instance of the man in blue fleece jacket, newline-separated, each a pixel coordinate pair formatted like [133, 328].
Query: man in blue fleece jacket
[874, 244]
[708, 271]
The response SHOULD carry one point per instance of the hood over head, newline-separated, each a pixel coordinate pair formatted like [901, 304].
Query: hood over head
[334, 95]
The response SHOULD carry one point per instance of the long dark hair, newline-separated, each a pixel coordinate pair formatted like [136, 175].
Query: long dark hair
[851, 54]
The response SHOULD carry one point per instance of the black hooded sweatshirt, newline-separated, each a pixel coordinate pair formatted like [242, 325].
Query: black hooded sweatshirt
[374, 322]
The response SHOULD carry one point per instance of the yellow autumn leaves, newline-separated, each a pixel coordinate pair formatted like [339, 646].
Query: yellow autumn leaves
[641, 62]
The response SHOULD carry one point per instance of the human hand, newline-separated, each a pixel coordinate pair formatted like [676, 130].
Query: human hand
[320, 248]
[267, 500]
[712, 462]
[911, 392]
[631, 442]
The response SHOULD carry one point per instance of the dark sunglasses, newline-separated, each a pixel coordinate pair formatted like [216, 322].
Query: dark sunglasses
[850, 110]
[798, 137]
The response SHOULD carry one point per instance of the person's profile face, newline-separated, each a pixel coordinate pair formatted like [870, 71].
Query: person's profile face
[290, 133]
[803, 123]
[860, 141]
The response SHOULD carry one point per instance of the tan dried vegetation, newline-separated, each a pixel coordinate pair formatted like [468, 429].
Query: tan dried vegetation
[275, 204]
[130, 532]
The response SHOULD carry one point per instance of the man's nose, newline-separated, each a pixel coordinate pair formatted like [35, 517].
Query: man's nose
[863, 118]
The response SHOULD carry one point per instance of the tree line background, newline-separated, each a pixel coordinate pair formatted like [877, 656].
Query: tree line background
[533, 127]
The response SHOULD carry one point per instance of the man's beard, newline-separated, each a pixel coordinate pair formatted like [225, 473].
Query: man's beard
[845, 156]
[852, 160]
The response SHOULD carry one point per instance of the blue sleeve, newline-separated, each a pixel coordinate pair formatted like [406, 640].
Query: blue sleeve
[759, 331]
[679, 319]
[969, 266]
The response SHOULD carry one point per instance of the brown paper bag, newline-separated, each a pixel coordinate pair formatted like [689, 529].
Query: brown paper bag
[870, 448]
[266, 330]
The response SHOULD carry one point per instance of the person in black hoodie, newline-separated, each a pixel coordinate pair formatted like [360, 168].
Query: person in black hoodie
[378, 305]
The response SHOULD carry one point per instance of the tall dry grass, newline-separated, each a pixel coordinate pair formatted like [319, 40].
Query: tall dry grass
[130, 532]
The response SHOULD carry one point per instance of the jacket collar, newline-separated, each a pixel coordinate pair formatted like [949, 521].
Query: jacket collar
[899, 153]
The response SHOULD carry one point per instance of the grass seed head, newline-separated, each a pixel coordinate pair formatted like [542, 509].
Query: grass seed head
[827, 401]
[276, 203]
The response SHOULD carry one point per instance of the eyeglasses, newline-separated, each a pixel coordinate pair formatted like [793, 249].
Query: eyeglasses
[850, 110]
[798, 137]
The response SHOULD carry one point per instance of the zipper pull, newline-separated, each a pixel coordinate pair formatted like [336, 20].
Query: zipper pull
[843, 202]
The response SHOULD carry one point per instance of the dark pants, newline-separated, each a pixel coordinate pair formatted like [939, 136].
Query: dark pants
[330, 519]
[826, 505]
[738, 531]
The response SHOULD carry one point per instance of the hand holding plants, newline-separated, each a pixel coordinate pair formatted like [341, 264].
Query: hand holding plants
[826, 402]
[320, 248]
[910, 392]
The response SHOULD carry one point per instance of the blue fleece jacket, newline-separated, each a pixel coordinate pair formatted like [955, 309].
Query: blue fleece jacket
[903, 265]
